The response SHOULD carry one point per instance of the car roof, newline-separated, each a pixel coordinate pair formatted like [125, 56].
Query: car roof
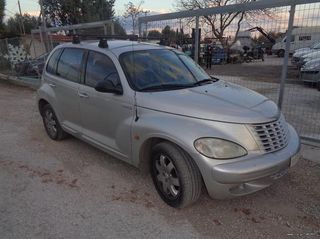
[117, 47]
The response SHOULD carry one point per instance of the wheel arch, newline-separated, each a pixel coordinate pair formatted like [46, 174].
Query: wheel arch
[41, 103]
[146, 149]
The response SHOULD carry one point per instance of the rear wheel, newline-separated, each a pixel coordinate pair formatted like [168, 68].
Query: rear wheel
[175, 175]
[281, 53]
[51, 124]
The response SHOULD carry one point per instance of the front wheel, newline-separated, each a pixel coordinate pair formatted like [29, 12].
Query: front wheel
[175, 175]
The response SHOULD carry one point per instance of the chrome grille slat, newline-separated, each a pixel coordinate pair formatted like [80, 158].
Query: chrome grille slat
[271, 136]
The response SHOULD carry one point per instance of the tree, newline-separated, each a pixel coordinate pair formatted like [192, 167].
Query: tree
[2, 7]
[221, 23]
[98, 10]
[66, 12]
[168, 35]
[132, 12]
[14, 23]
[58, 12]
[154, 34]
[118, 29]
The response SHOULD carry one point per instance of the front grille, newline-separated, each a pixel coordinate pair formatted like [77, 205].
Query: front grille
[271, 136]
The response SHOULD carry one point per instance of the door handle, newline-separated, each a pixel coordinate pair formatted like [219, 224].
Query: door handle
[83, 95]
[52, 85]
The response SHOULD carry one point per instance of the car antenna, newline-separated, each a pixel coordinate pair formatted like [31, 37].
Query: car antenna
[136, 107]
[135, 92]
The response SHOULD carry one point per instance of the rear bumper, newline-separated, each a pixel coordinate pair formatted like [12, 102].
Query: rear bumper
[246, 176]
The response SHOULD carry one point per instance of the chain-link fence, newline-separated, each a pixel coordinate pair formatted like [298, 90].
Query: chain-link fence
[272, 47]
[22, 58]
[254, 45]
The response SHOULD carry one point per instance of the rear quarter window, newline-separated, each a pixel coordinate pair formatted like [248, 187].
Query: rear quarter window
[70, 63]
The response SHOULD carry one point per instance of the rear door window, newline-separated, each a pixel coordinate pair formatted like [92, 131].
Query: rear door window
[69, 66]
[52, 63]
[100, 67]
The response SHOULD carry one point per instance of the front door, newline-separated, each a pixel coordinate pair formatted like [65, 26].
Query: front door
[106, 117]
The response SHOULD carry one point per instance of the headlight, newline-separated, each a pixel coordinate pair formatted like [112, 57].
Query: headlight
[219, 148]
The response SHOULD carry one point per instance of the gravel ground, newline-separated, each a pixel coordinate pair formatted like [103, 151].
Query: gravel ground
[71, 190]
[268, 70]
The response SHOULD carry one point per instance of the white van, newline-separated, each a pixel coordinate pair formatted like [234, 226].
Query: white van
[301, 37]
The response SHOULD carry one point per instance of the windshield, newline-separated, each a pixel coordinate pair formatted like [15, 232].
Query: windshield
[195, 69]
[161, 69]
[316, 46]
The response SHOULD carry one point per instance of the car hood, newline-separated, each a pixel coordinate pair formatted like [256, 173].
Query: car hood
[302, 49]
[219, 101]
[312, 55]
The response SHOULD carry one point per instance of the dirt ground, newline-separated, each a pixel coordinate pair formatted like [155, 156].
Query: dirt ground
[69, 189]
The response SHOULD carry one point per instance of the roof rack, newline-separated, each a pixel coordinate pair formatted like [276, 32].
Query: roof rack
[76, 39]
[103, 43]
[104, 38]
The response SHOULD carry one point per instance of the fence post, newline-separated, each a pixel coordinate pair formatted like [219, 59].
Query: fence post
[33, 44]
[140, 28]
[196, 42]
[7, 46]
[112, 28]
[286, 56]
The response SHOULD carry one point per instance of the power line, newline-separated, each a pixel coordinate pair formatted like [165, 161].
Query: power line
[14, 13]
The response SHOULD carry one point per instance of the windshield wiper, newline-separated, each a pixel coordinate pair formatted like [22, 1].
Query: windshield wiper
[165, 87]
[206, 81]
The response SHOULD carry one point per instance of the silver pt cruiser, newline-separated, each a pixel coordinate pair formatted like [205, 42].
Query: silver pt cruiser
[154, 108]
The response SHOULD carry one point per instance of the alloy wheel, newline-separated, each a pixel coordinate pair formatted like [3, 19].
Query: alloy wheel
[50, 122]
[167, 177]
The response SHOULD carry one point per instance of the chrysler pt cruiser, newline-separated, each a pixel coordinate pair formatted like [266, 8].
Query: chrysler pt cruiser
[155, 108]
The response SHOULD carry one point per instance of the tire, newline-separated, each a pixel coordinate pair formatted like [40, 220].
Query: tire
[281, 53]
[318, 86]
[51, 124]
[175, 175]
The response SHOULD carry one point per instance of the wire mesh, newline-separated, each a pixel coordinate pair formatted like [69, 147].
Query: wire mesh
[247, 48]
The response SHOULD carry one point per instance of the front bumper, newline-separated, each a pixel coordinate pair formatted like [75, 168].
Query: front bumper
[249, 175]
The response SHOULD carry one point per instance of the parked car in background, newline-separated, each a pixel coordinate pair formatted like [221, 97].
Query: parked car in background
[155, 108]
[302, 37]
[309, 57]
[296, 58]
[310, 72]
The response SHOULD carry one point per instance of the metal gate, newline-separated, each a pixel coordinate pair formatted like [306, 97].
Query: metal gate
[273, 30]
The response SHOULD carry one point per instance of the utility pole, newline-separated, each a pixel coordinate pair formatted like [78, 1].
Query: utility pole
[44, 27]
[145, 14]
[21, 19]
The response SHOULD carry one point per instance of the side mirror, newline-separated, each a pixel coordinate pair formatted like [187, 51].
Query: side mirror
[106, 86]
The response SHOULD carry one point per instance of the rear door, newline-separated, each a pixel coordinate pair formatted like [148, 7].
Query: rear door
[106, 117]
[66, 83]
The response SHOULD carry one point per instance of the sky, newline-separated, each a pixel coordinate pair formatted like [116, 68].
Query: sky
[32, 6]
